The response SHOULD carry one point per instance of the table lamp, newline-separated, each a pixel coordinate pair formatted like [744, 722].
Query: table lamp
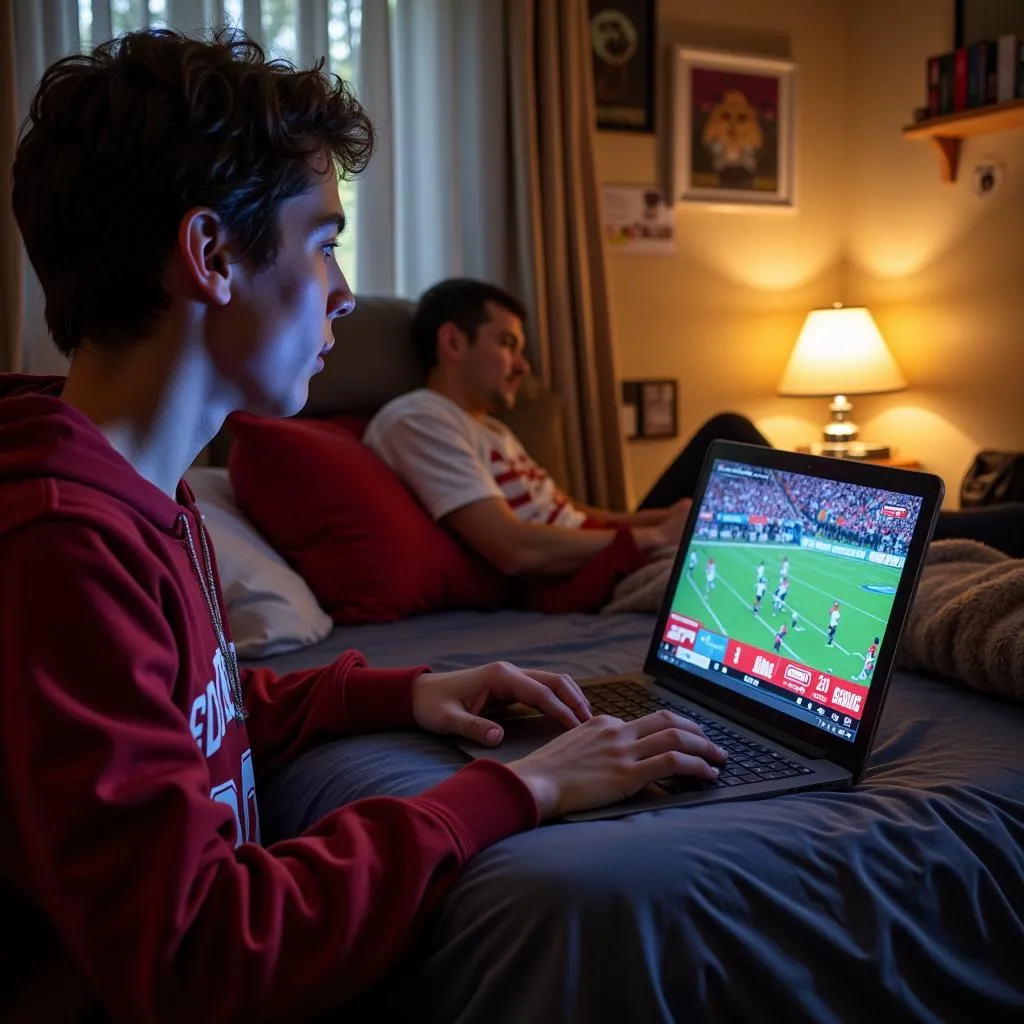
[841, 352]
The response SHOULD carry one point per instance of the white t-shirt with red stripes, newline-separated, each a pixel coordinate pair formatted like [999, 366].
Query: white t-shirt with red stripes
[450, 459]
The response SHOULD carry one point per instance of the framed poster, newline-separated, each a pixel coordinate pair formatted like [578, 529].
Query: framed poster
[734, 126]
[623, 51]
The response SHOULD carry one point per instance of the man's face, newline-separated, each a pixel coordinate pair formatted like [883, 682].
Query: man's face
[280, 316]
[493, 363]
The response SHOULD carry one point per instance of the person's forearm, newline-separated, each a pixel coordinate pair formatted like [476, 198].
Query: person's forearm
[290, 713]
[642, 517]
[555, 550]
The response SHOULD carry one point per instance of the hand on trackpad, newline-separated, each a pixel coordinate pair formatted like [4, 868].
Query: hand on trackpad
[523, 733]
[500, 711]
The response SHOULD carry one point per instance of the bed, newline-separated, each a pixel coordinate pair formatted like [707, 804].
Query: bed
[900, 900]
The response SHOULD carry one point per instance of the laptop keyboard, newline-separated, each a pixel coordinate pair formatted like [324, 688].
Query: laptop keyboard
[749, 761]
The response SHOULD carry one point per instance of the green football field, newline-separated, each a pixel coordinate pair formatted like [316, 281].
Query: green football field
[816, 580]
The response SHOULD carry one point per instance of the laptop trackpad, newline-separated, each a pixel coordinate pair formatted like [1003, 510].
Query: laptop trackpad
[523, 735]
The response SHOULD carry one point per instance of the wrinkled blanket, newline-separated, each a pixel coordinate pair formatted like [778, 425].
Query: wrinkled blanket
[966, 623]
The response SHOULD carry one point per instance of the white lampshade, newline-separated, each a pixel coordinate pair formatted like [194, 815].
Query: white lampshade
[840, 351]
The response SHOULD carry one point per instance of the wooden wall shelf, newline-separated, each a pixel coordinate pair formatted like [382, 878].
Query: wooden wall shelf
[948, 132]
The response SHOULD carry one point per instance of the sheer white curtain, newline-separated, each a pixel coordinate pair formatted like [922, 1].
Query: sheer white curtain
[434, 202]
[43, 31]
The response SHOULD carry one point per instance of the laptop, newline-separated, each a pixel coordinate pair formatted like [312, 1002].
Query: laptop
[778, 629]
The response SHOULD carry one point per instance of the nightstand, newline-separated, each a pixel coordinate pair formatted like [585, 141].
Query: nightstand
[895, 461]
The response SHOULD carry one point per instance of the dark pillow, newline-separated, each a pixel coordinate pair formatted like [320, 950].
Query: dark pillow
[346, 523]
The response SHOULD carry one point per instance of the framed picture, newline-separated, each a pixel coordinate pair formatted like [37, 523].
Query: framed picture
[733, 124]
[622, 49]
[649, 409]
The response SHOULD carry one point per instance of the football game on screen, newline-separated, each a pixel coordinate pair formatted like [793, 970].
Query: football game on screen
[787, 587]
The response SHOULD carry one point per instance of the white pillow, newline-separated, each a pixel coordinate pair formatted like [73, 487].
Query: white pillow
[270, 608]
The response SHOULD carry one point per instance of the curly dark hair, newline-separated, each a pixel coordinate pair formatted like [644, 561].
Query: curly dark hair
[458, 300]
[119, 144]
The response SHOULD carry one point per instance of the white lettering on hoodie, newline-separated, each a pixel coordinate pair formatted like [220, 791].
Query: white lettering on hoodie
[209, 719]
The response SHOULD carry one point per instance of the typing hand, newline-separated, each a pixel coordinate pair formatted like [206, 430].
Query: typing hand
[451, 702]
[606, 760]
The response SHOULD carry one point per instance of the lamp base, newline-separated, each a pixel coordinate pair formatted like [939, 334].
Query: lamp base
[840, 429]
[841, 436]
[851, 450]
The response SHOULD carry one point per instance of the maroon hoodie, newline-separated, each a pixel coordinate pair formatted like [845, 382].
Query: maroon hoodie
[133, 884]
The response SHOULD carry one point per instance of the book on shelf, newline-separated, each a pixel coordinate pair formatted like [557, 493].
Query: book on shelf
[960, 78]
[934, 86]
[946, 62]
[1008, 67]
[973, 76]
[981, 73]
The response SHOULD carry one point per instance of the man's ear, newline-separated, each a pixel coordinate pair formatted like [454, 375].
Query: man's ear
[451, 342]
[203, 244]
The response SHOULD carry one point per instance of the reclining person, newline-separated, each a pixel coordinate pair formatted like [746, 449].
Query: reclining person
[132, 748]
[472, 474]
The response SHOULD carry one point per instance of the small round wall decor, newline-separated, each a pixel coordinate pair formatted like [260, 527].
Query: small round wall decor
[987, 178]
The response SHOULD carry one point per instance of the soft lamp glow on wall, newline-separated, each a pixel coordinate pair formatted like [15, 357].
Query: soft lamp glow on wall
[841, 352]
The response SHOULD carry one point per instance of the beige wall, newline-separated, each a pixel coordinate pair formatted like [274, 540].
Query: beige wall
[938, 267]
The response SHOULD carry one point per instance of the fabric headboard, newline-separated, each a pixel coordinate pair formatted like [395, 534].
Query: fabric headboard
[372, 362]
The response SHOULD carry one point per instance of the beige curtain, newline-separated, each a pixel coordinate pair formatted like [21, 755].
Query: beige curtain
[10, 242]
[560, 251]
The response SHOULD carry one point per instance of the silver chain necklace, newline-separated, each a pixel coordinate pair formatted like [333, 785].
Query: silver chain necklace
[208, 585]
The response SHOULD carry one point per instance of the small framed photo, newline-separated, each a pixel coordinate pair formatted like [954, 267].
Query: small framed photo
[637, 220]
[649, 409]
[733, 125]
[623, 53]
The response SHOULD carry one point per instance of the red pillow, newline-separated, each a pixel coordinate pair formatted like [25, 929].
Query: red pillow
[354, 425]
[348, 526]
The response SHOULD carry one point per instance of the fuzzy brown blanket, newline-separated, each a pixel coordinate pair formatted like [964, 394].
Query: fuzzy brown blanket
[966, 623]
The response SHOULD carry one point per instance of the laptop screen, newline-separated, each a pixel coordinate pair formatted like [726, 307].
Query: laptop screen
[786, 587]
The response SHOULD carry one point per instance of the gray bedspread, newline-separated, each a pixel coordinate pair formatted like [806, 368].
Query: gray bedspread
[900, 900]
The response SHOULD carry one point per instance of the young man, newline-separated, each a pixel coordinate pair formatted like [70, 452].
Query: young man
[473, 474]
[178, 200]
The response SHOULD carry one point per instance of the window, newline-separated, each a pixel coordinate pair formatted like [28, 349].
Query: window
[279, 23]
[279, 32]
[343, 32]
